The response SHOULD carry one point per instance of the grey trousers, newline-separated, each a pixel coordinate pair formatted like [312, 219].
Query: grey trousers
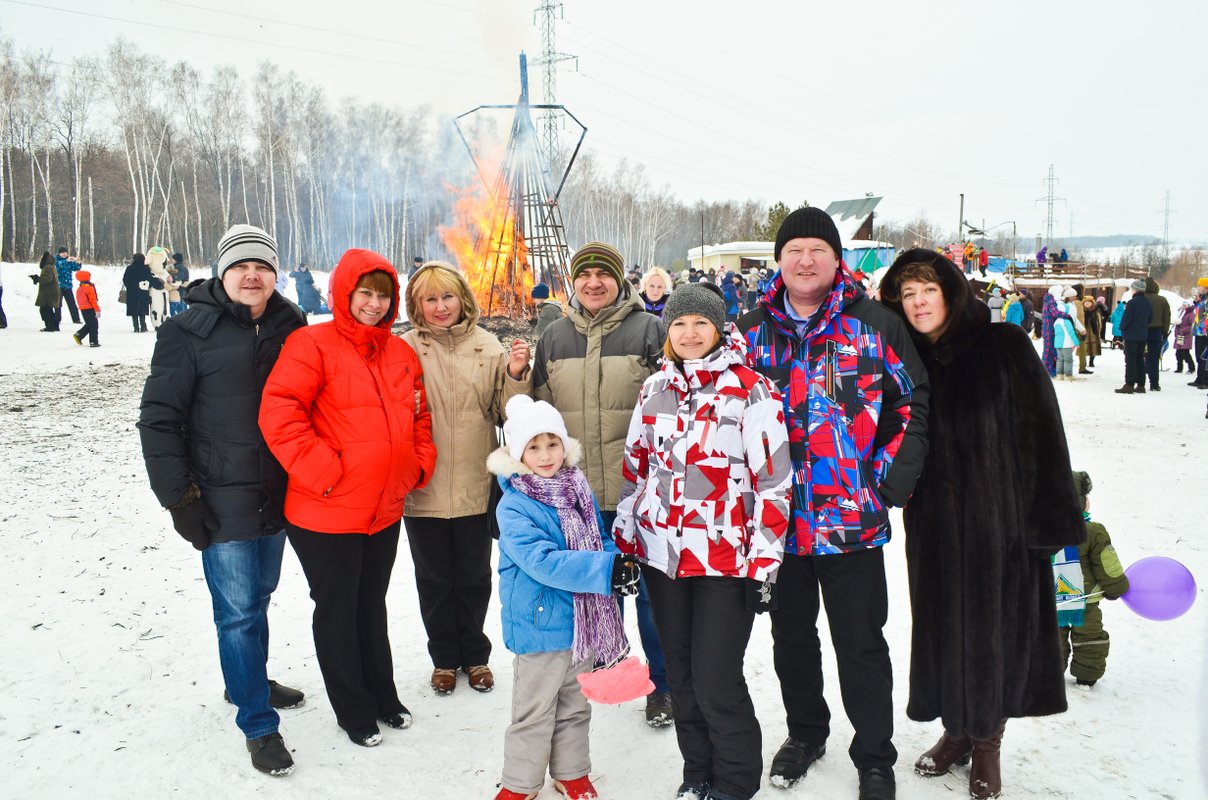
[550, 722]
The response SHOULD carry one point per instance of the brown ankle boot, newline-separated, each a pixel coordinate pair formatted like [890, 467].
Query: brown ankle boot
[939, 759]
[985, 776]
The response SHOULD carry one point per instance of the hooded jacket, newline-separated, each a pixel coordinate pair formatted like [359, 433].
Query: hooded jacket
[538, 574]
[467, 385]
[855, 401]
[984, 521]
[340, 413]
[86, 293]
[550, 311]
[49, 293]
[1160, 306]
[591, 369]
[200, 404]
[707, 469]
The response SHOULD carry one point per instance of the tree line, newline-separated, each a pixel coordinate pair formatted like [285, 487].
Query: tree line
[114, 154]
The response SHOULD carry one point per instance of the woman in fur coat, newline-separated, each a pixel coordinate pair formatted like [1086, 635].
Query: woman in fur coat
[982, 524]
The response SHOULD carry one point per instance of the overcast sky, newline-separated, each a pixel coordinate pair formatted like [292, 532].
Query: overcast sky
[914, 101]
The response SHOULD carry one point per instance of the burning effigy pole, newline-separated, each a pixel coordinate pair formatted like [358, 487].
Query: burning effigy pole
[520, 240]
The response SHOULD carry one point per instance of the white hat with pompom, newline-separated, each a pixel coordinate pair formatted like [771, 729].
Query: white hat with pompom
[526, 419]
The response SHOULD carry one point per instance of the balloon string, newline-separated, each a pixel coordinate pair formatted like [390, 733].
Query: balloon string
[1078, 597]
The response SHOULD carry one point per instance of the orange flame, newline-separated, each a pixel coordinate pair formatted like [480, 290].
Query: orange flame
[488, 245]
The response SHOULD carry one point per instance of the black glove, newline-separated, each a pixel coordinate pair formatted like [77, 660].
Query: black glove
[625, 575]
[194, 522]
[761, 595]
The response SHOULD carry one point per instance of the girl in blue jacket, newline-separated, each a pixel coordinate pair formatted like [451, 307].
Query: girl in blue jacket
[557, 579]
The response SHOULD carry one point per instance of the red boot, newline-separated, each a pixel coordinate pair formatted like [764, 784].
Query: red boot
[577, 789]
[508, 794]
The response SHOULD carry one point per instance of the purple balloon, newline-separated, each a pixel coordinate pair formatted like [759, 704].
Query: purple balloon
[1159, 588]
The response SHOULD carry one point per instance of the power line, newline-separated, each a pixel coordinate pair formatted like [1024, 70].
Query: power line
[257, 42]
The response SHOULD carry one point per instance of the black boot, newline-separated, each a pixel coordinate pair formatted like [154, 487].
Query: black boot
[876, 783]
[792, 761]
[270, 755]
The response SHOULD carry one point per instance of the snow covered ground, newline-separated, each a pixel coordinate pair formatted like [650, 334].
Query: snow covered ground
[109, 674]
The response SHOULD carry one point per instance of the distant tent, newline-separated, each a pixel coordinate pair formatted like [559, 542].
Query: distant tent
[869, 259]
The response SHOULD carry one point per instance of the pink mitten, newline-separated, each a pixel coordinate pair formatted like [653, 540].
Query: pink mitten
[620, 683]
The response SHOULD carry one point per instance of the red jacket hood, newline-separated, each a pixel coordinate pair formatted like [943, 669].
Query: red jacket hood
[83, 275]
[355, 264]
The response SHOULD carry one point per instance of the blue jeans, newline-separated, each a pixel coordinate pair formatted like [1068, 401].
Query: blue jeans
[648, 633]
[242, 577]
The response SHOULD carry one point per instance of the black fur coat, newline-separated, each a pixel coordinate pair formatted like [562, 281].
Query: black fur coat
[995, 500]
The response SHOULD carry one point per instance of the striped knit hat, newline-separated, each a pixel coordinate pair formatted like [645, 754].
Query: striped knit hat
[598, 255]
[246, 243]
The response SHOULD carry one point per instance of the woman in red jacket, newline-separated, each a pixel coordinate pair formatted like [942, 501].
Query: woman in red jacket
[344, 413]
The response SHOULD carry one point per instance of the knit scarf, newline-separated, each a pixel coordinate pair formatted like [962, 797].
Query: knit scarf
[599, 633]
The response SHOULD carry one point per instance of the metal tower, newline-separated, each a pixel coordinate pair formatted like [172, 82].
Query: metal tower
[548, 12]
[1049, 198]
[524, 241]
[1166, 229]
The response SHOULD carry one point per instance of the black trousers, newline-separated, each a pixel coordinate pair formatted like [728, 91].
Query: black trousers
[3, 318]
[1181, 357]
[50, 317]
[90, 327]
[69, 298]
[348, 575]
[853, 587]
[1134, 363]
[704, 627]
[453, 578]
[1153, 351]
[1201, 359]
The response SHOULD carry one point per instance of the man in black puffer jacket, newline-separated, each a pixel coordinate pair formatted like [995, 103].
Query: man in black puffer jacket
[209, 465]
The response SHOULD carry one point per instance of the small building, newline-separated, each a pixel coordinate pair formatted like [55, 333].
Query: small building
[853, 219]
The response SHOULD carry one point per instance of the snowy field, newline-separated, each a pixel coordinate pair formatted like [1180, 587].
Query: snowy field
[109, 673]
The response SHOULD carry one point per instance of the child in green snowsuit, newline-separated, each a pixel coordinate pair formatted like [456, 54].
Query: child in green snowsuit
[1102, 576]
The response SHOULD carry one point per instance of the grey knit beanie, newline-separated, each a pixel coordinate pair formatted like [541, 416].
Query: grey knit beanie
[702, 298]
[246, 243]
[1138, 285]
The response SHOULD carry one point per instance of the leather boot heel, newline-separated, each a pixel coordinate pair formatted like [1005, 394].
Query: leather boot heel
[948, 751]
[985, 776]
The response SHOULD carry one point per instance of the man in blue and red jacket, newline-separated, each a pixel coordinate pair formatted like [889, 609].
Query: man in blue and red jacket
[855, 394]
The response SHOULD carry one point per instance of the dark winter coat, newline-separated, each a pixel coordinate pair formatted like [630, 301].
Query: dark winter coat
[1160, 306]
[138, 281]
[1029, 312]
[49, 293]
[1134, 325]
[655, 306]
[198, 418]
[984, 521]
[308, 295]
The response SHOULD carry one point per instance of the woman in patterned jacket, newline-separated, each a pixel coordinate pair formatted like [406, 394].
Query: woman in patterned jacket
[705, 508]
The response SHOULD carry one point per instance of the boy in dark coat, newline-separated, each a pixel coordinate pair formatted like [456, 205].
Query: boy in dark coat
[1102, 576]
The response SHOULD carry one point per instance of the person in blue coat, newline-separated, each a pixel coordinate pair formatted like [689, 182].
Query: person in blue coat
[558, 577]
[1117, 316]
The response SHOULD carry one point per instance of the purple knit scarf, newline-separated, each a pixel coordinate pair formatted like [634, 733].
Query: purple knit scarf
[599, 633]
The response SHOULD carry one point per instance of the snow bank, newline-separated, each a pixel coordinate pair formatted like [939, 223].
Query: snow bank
[109, 669]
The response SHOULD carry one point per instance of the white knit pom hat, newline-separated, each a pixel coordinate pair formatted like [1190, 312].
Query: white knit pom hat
[526, 419]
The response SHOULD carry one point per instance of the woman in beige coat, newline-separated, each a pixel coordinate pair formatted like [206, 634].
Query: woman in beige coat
[468, 378]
